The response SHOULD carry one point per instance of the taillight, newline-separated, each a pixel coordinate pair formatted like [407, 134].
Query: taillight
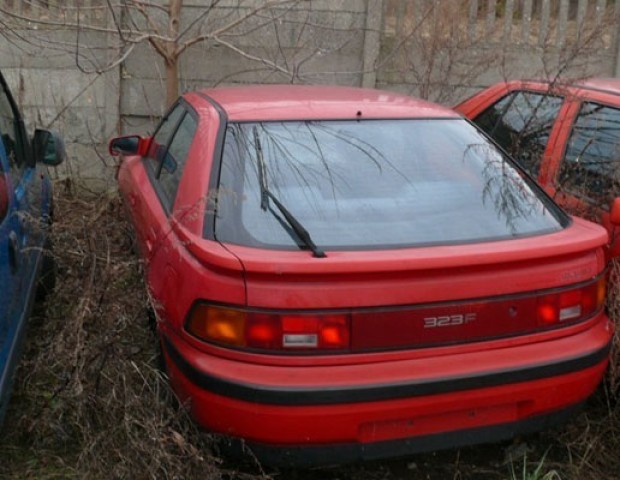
[570, 305]
[269, 330]
[408, 326]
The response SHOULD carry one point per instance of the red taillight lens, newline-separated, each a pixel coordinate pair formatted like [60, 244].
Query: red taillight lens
[570, 305]
[547, 310]
[263, 331]
[269, 331]
[334, 332]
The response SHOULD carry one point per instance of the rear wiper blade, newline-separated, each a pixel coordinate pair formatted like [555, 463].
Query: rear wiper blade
[266, 194]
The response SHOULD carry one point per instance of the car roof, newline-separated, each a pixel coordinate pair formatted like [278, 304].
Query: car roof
[611, 85]
[607, 85]
[306, 102]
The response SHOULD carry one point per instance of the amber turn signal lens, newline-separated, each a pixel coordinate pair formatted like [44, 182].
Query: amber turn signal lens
[269, 330]
[217, 324]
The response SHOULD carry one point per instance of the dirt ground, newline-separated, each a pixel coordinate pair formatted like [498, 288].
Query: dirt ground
[90, 402]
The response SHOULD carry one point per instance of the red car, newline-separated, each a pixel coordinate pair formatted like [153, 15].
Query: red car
[344, 274]
[567, 136]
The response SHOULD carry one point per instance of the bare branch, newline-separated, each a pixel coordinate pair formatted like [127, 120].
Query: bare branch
[255, 58]
[220, 31]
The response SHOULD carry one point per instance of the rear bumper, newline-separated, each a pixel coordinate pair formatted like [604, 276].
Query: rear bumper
[306, 456]
[390, 408]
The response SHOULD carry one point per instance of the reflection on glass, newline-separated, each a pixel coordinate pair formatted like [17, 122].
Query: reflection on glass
[521, 123]
[590, 167]
[375, 184]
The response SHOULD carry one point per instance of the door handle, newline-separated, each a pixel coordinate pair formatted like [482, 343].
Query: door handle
[13, 252]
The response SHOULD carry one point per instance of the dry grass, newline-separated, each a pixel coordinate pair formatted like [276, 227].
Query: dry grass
[90, 402]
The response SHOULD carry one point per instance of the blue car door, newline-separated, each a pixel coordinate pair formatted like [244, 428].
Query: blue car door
[8, 273]
[20, 239]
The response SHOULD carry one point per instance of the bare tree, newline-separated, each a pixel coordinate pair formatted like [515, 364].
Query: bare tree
[444, 49]
[129, 23]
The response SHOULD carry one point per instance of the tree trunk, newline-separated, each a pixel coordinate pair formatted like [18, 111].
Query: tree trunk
[172, 58]
[172, 81]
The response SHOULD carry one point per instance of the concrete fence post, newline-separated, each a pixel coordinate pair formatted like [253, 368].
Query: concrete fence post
[113, 82]
[616, 39]
[616, 71]
[372, 42]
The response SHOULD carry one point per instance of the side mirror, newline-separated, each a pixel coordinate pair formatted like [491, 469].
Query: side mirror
[127, 145]
[614, 212]
[48, 147]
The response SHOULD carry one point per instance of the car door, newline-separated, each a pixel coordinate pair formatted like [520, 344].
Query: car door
[18, 237]
[138, 180]
[587, 174]
[10, 278]
[151, 187]
[522, 119]
[20, 219]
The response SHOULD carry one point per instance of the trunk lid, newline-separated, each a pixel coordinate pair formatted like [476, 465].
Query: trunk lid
[430, 295]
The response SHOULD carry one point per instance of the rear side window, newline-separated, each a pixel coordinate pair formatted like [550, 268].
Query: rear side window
[168, 152]
[163, 135]
[174, 163]
[592, 158]
[373, 184]
[521, 123]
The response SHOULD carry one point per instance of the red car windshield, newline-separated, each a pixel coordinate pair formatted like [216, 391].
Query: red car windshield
[372, 184]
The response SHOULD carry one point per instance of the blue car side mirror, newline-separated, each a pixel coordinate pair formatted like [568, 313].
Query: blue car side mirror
[48, 147]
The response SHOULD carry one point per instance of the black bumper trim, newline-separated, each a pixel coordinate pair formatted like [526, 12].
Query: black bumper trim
[297, 396]
[306, 456]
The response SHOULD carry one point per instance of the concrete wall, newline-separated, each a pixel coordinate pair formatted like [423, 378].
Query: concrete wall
[442, 50]
[316, 42]
[446, 50]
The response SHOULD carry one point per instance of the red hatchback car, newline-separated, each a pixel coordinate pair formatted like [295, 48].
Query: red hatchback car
[344, 274]
[566, 135]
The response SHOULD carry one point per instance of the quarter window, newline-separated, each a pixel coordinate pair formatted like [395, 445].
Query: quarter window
[168, 151]
[521, 123]
[590, 166]
[173, 164]
[162, 137]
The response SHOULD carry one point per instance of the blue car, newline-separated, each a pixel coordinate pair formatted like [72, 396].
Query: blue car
[26, 265]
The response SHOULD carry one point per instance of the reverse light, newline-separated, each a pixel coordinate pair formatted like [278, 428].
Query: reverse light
[269, 330]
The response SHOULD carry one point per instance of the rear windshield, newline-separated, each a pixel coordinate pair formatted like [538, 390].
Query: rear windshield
[372, 184]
